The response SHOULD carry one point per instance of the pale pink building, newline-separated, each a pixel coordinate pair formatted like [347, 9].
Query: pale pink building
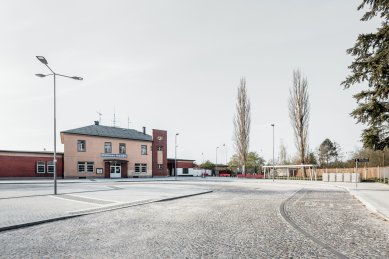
[98, 151]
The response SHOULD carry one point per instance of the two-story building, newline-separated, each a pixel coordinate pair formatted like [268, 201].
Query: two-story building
[111, 152]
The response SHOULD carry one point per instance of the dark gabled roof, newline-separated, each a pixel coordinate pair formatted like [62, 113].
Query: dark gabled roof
[112, 132]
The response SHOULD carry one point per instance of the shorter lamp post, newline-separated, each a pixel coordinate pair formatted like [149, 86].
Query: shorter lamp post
[273, 150]
[44, 61]
[175, 156]
[216, 161]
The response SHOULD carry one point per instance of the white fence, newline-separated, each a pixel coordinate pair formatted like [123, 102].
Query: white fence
[342, 177]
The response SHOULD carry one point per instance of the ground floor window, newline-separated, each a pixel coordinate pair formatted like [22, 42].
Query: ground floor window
[140, 168]
[160, 166]
[86, 167]
[50, 167]
[90, 166]
[40, 167]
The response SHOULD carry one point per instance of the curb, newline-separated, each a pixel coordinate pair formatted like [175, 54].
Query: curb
[133, 204]
[184, 196]
[367, 204]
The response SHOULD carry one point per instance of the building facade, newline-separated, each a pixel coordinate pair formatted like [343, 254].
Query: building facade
[184, 166]
[30, 164]
[160, 164]
[98, 151]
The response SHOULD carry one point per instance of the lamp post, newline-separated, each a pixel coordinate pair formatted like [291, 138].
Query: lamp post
[225, 149]
[44, 61]
[216, 161]
[273, 150]
[175, 155]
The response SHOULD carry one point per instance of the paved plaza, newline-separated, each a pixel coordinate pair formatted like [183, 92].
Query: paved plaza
[191, 218]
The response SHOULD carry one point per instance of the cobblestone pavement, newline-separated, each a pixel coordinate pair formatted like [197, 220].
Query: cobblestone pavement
[235, 221]
[21, 211]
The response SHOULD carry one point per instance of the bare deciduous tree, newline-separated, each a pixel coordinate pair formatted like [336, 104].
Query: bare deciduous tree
[242, 125]
[283, 154]
[299, 107]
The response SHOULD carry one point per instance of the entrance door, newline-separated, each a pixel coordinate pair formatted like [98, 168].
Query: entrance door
[115, 170]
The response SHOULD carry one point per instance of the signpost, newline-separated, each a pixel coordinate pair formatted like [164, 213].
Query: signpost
[359, 160]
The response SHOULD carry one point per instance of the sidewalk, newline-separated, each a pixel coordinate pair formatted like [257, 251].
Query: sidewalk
[24, 211]
[375, 196]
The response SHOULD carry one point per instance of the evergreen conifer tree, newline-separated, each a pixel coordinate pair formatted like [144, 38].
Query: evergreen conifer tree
[371, 65]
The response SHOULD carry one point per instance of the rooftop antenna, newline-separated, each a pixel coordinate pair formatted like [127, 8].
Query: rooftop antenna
[99, 113]
[114, 118]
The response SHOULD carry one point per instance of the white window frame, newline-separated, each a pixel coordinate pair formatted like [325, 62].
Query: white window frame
[140, 168]
[143, 168]
[137, 168]
[78, 167]
[143, 150]
[90, 167]
[87, 166]
[40, 165]
[81, 145]
[105, 147]
[120, 149]
[50, 164]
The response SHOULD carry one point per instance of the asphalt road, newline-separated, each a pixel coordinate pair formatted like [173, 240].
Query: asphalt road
[237, 220]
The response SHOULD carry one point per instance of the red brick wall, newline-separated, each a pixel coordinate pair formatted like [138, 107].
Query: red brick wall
[159, 139]
[20, 165]
[184, 164]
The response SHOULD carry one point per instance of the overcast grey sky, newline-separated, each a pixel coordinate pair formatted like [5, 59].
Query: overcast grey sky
[176, 65]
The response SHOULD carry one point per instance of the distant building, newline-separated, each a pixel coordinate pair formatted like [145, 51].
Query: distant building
[109, 152]
[96, 151]
[184, 167]
[29, 164]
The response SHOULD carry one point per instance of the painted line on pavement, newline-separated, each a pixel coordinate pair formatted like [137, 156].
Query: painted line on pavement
[111, 208]
[89, 198]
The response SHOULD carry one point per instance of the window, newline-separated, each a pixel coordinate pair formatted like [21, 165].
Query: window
[159, 148]
[143, 150]
[81, 146]
[122, 148]
[50, 167]
[40, 167]
[86, 167]
[81, 167]
[107, 147]
[140, 168]
[90, 166]
[160, 166]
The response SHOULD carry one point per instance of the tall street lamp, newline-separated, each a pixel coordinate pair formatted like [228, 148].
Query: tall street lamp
[175, 156]
[273, 150]
[44, 61]
[216, 161]
[225, 149]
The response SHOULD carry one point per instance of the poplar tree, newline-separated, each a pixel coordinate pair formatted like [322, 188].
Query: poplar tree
[299, 109]
[371, 66]
[242, 122]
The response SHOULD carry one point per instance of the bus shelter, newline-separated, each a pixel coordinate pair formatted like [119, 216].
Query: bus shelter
[289, 170]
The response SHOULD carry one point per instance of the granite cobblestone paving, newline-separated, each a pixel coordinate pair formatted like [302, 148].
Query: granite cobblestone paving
[235, 221]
